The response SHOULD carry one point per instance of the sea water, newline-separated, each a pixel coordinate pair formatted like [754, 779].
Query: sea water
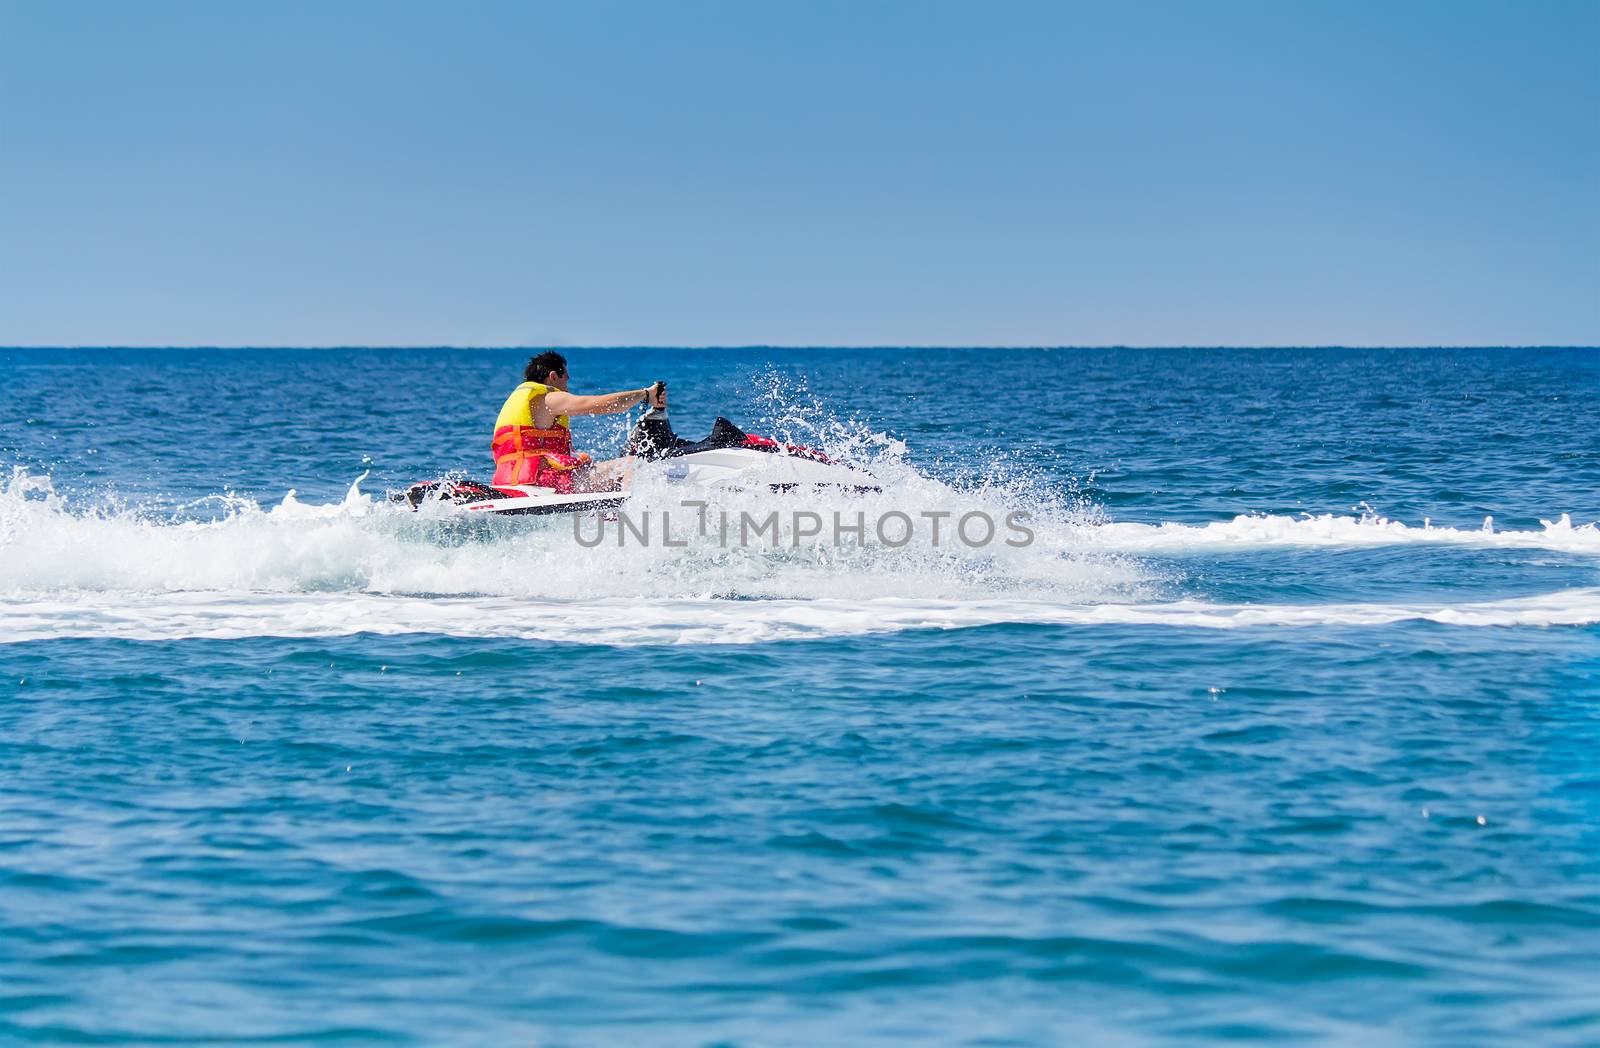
[1286, 723]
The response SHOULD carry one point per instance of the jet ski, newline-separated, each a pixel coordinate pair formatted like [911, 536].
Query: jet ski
[726, 457]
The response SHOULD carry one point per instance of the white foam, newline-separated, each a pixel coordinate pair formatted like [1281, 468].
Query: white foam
[360, 545]
[615, 621]
[360, 564]
[1328, 530]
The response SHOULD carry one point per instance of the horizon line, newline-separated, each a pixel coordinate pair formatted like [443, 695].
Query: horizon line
[1041, 347]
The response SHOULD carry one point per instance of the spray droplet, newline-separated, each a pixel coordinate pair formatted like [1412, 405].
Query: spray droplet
[1425, 814]
[1482, 821]
[347, 767]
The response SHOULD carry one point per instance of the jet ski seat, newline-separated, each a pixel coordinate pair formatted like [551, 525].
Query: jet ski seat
[653, 438]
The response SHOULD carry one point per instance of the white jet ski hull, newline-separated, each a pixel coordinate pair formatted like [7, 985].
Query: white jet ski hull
[732, 468]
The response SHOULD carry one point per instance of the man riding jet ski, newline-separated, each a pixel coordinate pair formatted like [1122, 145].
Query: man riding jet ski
[533, 438]
[536, 471]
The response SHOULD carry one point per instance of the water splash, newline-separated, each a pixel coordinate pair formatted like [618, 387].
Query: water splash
[364, 563]
[362, 544]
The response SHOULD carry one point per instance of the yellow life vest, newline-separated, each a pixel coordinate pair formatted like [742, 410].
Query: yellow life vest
[518, 408]
[523, 452]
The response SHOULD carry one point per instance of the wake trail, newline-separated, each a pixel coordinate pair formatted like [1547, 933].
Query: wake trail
[1329, 531]
[614, 622]
[364, 565]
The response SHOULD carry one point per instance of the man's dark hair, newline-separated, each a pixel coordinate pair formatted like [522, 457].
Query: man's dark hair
[539, 367]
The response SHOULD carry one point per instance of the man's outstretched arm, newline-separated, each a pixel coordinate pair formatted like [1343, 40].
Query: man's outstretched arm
[598, 404]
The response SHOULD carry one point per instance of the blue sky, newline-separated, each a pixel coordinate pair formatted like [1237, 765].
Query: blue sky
[855, 173]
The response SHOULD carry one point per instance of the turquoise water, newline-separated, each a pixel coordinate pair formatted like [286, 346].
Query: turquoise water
[1267, 734]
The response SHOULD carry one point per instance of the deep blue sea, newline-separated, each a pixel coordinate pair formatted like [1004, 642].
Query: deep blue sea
[1285, 725]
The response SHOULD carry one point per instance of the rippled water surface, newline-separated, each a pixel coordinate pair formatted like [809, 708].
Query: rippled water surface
[1269, 733]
